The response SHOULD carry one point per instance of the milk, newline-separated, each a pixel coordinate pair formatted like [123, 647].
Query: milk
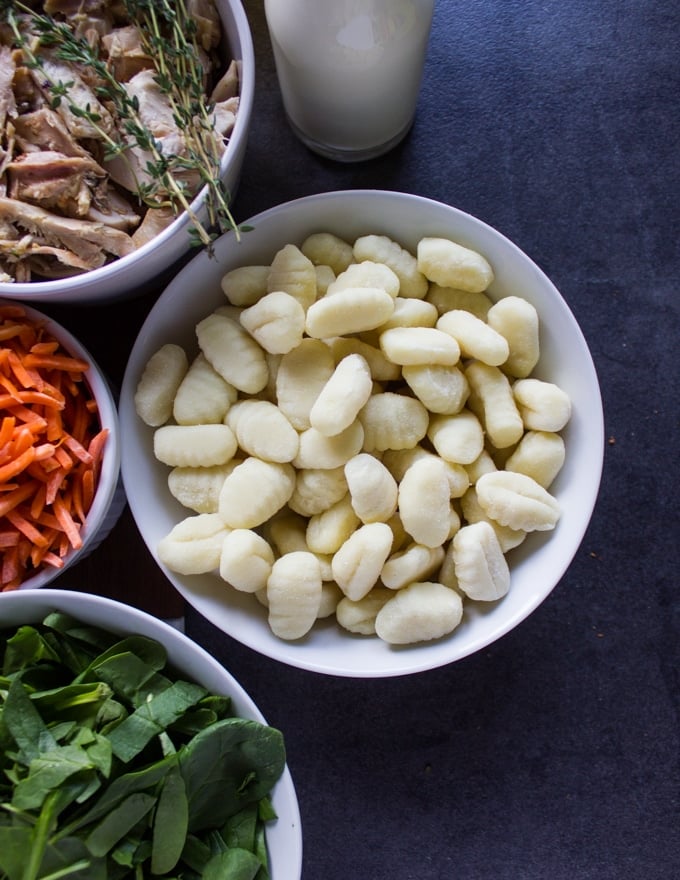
[349, 70]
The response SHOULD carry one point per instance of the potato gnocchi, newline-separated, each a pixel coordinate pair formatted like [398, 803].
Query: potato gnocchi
[357, 433]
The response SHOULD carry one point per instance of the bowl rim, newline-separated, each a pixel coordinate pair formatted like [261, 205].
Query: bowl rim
[44, 291]
[416, 658]
[110, 480]
[203, 667]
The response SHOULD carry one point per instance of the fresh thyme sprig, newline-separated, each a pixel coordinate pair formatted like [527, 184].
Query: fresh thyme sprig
[169, 36]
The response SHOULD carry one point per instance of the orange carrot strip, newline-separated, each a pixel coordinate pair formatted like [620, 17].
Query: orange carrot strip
[87, 484]
[10, 387]
[55, 425]
[17, 496]
[10, 566]
[15, 467]
[56, 362]
[26, 528]
[26, 415]
[9, 331]
[53, 560]
[6, 429]
[96, 450]
[48, 521]
[62, 457]
[45, 451]
[71, 530]
[12, 310]
[48, 347]
[20, 369]
[38, 398]
[54, 484]
[38, 502]
[37, 552]
[8, 539]
[80, 420]
[77, 449]
[23, 439]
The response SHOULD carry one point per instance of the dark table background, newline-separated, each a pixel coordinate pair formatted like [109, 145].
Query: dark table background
[554, 753]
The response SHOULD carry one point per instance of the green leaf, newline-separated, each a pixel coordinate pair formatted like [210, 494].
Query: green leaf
[152, 717]
[47, 772]
[235, 864]
[170, 824]
[24, 723]
[118, 822]
[79, 701]
[15, 842]
[26, 647]
[218, 760]
[239, 830]
[125, 785]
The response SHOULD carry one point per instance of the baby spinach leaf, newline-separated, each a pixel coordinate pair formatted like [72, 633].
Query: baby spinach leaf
[170, 824]
[27, 646]
[24, 723]
[130, 737]
[239, 829]
[79, 701]
[116, 824]
[218, 760]
[92, 636]
[15, 842]
[196, 853]
[235, 864]
[131, 677]
[127, 784]
[47, 772]
[265, 809]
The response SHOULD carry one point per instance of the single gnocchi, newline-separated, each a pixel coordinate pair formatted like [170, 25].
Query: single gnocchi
[421, 612]
[452, 265]
[157, 387]
[203, 396]
[294, 594]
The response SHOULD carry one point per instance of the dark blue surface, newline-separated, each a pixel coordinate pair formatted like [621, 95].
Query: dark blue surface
[554, 754]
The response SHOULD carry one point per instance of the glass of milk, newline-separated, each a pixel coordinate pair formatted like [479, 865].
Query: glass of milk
[349, 70]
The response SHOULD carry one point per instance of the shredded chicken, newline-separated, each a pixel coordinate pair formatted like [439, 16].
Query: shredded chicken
[66, 205]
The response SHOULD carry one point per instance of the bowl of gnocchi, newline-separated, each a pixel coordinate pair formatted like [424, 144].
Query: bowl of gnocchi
[370, 441]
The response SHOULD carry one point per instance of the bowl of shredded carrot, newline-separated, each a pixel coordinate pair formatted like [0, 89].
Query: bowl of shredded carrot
[60, 489]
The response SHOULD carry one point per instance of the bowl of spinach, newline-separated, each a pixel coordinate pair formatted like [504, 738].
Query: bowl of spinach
[126, 750]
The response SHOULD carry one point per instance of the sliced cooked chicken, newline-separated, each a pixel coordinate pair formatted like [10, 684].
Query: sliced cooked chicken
[155, 111]
[227, 86]
[8, 104]
[207, 21]
[80, 96]
[54, 181]
[126, 54]
[155, 221]
[45, 130]
[83, 237]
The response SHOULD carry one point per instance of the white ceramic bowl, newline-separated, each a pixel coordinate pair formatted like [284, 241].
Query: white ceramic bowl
[124, 277]
[284, 836]
[536, 566]
[109, 499]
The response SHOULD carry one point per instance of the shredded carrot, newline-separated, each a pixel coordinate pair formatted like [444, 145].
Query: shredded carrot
[55, 362]
[51, 448]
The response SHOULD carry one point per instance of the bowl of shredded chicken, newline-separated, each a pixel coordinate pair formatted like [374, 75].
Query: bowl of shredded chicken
[123, 127]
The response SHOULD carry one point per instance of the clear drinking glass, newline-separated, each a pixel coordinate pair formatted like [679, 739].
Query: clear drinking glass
[350, 70]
